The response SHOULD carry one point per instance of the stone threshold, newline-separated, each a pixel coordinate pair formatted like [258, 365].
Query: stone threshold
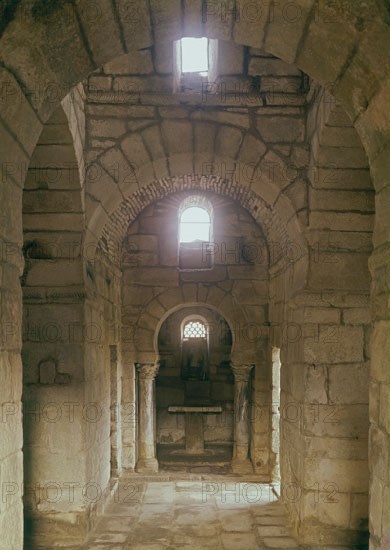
[186, 476]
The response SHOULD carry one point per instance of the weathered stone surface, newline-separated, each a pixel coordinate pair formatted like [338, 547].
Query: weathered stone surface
[380, 342]
[342, 200]
[341, 178]
[135, 20]
[230, 58]
[341, 37]
[342, 221]
[138, 62]
[101, 29]
[107, 128]
[166, 20]
[280, 129]
[264, 66]
[340, 388]
[14, 103]
[336, 344]
[351, 475]
[135, 150]
[250, 22]
[228, 142]
[47, 372]
[177, 136]
[343, 271]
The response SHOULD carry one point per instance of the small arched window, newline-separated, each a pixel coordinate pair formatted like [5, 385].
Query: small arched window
[194, 335]
[195, 233]
[194, 329]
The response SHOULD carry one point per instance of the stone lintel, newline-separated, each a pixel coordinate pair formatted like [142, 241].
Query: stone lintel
[195, 409]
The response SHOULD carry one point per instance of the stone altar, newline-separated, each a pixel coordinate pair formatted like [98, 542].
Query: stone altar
[194, 425]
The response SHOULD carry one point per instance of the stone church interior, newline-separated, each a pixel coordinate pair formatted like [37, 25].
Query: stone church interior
[194, 274]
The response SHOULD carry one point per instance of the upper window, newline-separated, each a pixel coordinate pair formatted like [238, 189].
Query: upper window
[195, 225]
[195, 233]
[195, 64]
[194, 55]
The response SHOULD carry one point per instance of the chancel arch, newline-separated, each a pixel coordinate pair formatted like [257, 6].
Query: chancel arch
[194, 387]
[234, 291]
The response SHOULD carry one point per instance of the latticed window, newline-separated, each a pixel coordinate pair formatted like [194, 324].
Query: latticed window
[194, 329]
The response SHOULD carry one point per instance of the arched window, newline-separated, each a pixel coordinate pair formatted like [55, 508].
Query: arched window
[194, 329]
[195, 225]
[194, 348]
[195, 233]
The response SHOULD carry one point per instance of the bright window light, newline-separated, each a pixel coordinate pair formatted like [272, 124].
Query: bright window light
[194, 55]
[194, 329]
[194, 225]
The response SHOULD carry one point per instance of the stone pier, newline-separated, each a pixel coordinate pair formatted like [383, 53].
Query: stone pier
[241, 462]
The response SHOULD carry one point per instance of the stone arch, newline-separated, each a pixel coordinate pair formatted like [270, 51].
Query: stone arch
[279, 224]
[340, 187]
[148, 326]
[193, 317]
[129, 172]
[53, 211]
[216, 362]
[308, 37]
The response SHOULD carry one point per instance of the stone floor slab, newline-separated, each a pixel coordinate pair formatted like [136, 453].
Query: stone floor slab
[173, 515]
[280, 542]
[239, 541]
[273, 531]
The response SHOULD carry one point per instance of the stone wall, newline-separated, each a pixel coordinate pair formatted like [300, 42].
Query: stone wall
[53, 312]
[15, 155]
[102, 377]
[69, 321]
[325, 347]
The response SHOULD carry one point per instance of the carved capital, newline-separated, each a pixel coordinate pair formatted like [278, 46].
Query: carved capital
[242, 372]
[147, 371]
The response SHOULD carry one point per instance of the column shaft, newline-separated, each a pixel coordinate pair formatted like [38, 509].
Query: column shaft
[147, 461]
[241, 462]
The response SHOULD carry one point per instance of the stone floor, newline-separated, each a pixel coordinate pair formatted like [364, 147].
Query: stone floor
[216, 513]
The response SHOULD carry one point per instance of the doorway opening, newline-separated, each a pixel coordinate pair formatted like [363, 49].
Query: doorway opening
[114, 413]
[275, 438]
[195, 392]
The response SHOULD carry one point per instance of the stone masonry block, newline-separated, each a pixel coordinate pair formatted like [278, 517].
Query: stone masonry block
[336, 344]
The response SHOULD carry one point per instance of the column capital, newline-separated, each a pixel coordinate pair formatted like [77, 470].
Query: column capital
[147, 371]
[241, 372]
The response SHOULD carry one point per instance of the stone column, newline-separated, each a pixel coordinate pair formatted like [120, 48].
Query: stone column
[147, 461]
[241, 463]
